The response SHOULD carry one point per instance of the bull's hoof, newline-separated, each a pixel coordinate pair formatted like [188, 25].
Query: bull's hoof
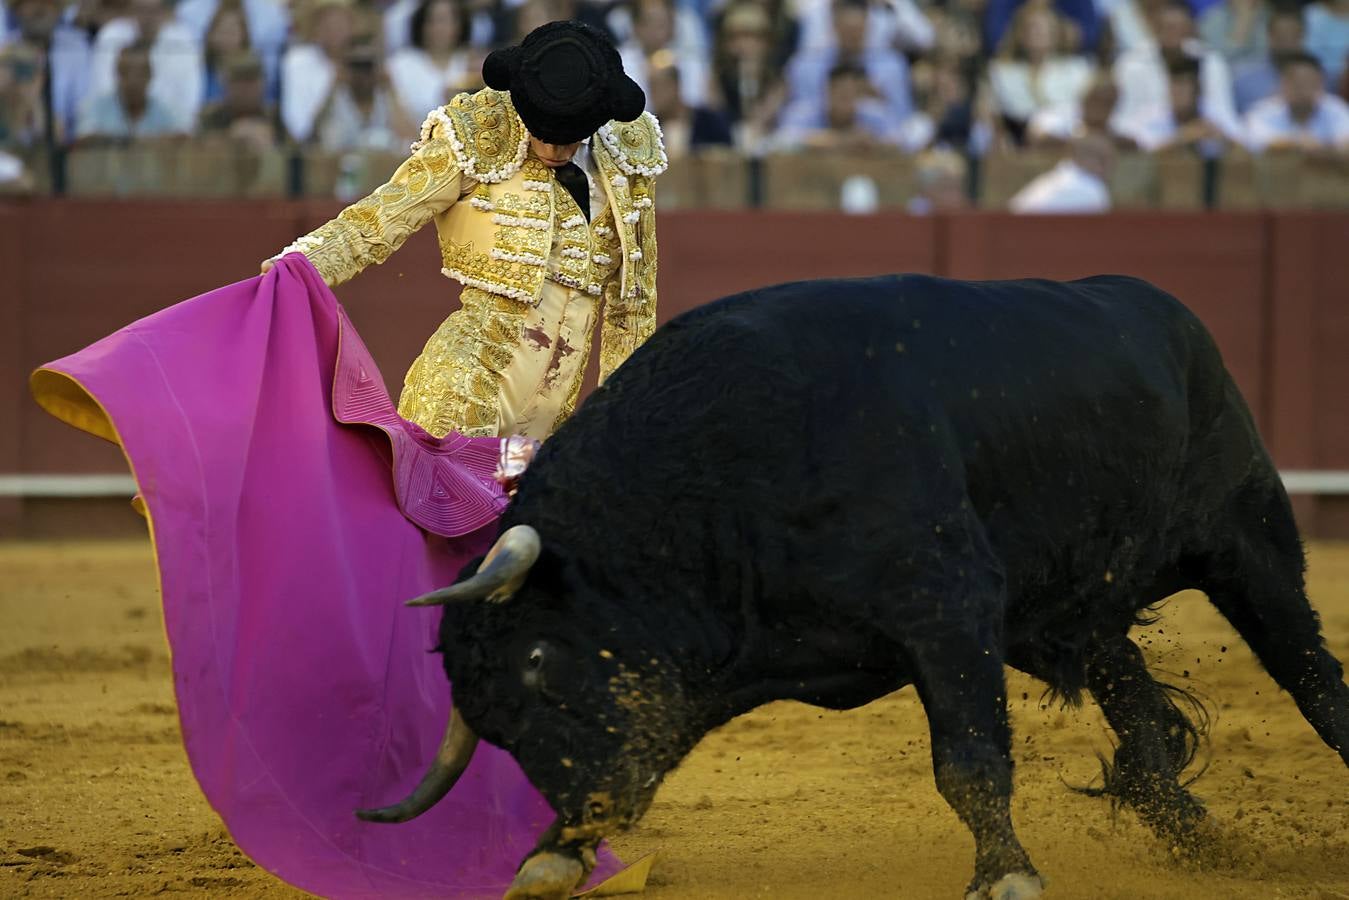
[1016, 886]
[548, 876]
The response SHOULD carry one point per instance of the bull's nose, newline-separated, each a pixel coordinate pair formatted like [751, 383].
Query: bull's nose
[599, 806]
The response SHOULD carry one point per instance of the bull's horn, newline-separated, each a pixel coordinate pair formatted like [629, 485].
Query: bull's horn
[456, 751]
[502, 572]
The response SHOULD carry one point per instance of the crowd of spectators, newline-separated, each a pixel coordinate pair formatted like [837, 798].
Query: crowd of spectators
[944, 79]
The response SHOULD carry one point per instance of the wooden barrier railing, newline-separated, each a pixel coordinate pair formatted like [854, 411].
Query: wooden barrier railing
[1172, 180]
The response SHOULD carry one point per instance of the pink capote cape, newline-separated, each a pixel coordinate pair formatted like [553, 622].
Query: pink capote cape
[292, 511]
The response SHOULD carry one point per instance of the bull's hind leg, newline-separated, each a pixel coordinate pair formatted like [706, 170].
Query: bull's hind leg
[1156, 740]
[1256, 581]
[959, 677]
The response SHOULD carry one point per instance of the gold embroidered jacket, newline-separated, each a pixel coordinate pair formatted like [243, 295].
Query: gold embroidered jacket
[499, 240]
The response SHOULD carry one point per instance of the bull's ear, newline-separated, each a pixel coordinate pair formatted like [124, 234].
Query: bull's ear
[501, 574]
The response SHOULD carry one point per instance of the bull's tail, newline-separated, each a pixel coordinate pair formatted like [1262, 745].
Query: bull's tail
[1187, 721]
[1161, 730]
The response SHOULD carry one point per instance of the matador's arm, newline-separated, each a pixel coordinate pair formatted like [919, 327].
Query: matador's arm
[368, 231]
[629, 321]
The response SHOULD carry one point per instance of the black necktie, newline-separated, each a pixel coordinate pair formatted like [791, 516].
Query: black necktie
[570, 176]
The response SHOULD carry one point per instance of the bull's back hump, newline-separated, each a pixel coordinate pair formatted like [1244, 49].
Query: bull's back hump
[946, 324]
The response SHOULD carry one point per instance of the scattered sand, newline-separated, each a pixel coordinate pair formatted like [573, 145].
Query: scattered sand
[96, 799]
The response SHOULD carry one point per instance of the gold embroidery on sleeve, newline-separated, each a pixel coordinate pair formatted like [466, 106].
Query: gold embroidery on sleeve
[371, 229]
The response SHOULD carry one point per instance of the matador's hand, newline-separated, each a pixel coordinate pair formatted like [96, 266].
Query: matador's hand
[266, 266]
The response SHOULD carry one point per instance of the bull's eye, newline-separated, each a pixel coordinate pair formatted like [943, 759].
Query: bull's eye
[535, 664]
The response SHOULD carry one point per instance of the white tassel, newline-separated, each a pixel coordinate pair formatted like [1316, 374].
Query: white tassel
[520, 222]
[468, 281]
[527, 258]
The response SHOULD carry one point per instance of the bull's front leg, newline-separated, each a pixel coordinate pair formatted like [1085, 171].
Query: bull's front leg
[959, 677]
[559, 864]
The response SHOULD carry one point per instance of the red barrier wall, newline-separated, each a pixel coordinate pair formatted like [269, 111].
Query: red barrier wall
[1271, 287]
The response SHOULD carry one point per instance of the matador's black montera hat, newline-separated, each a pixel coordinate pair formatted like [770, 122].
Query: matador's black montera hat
[565, 80]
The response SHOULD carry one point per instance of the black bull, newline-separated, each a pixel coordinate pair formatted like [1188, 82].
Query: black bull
[829, 490]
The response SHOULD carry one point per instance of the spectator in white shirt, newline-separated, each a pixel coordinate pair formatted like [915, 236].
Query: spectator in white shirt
[226, 38]
[1237, 29]
[947, 114]
[748, 81]
[1143, 78]
[891, 24]
[438, 63]
[308, 70]
[1255, 79]
[686, 129]
[1184, 121]
[1303, 116]
[483, 30]
[853, 118]
[243, 118]
[1033, 71]
[1130, 23]
[1096, 114]
[689, 30]
[267, 23]
[130, 111]
[177, 80]
[654, 43]
[810, 70]
[360, 112]
[1075, 185]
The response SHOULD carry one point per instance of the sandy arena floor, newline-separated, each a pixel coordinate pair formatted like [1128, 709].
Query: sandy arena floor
[96, 799]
